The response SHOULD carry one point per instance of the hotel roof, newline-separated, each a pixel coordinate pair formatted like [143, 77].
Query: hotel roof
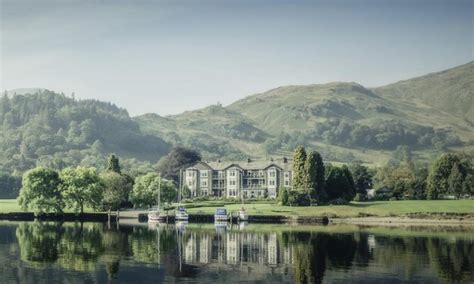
[248, 165]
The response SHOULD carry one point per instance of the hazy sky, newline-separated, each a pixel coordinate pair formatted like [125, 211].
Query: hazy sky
[170, 56]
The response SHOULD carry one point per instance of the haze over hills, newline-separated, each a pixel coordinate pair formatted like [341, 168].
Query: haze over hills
[345, 121]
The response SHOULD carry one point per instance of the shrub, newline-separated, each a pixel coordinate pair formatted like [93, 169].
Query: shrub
[339, 201]
[297, 198]
[359, 197]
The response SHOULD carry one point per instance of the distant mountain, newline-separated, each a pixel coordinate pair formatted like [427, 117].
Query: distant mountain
[345, 121]
[451, 91]
[50, 129]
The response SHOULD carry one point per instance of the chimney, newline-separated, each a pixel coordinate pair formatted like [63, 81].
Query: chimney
[285, 160]
[248, 160]
[271, 159]
[218, 161]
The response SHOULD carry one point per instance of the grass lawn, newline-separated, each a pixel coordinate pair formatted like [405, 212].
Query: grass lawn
[11, 205]
[377, 208]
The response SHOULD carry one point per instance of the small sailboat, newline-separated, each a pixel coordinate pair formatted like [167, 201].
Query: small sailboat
[180, 213]
[155, 214]
[243, 215]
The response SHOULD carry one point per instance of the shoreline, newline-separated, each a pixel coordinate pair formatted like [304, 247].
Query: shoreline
[64, 217]
[403, 221]
[444, 219]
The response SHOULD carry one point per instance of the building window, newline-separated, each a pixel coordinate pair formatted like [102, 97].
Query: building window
[272, 182]
[287, 183]
[203, 183]
[232, 173]
[204, 174]
[272, 174]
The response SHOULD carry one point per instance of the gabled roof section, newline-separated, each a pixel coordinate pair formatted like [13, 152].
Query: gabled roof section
[247, 165]
[200, 166]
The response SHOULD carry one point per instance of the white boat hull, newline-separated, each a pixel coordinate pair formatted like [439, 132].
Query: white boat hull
[220, 218]
[243, 216]
[181, 216]
[156, 217]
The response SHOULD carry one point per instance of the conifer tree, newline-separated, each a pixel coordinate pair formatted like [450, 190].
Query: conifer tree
[113, 164]
[314, 173]
[299, 173]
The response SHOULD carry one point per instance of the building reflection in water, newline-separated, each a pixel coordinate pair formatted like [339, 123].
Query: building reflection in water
[236, 249]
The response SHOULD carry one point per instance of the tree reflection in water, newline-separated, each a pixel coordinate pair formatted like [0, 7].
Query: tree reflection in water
[203, 253]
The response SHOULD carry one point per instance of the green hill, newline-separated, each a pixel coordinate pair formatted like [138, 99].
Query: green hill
[50, 129]
[344, 121]
[450, 91]
[214, 131]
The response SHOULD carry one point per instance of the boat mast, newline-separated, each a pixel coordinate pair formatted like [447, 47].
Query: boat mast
[180, 186]
[159, 191]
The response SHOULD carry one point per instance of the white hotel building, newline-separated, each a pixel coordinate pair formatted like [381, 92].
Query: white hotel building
[249, 178]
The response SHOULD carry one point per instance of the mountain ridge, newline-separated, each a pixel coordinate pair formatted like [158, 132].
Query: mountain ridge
[319, 114]
[345, 121]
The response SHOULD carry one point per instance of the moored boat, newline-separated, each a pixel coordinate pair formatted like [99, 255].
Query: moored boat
[243, 216]
[155, 215]
[220, 215]
[181, 214]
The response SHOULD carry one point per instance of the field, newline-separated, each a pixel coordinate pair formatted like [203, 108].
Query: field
[11, 205]
[375, 208]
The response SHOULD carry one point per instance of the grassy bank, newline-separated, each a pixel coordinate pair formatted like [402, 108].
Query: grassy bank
[355, 209]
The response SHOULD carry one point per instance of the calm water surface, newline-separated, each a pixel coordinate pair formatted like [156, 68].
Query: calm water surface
[34, 252]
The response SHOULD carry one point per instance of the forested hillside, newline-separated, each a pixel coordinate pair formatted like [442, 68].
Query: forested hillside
[50, 129]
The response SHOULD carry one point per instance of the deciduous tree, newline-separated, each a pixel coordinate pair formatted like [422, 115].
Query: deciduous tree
[81, 187]
[145, 190]
[40, 191]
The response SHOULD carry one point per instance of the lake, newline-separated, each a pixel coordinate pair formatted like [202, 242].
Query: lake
[48, 252]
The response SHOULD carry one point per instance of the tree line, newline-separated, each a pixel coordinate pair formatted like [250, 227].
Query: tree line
[46, 190]
[382, 134]
[450, 175]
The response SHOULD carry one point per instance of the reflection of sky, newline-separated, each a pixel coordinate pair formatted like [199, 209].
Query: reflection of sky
[171, 56]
